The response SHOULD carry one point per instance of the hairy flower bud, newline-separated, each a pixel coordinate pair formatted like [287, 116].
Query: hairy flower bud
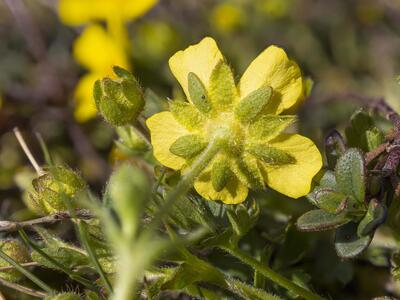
[52, 190]
[119, 100]
[18, 252]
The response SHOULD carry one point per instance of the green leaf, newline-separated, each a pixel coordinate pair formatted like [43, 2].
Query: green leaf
[222, 87]
[270, 126]
[129, 190]
[248, 291]
[350, 174]
[328, 180]
[249, 107]
[198, 93]
[188, 146]
[347, 242]
[328, 200]
[363, 133]
[271, 155]
[375, 138]
[374, 217]
[319, 220]
[220, 174]
[186, 114]
[334, 148]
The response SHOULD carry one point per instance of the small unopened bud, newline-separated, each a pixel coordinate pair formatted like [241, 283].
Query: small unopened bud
[52, 190]
[18, 252]
[130, 141]
[119, 100]
[64, 296]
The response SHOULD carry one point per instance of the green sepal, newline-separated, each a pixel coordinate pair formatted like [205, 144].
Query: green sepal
[350, 174]
[198, 93]
[270, 126]
[249, 166]
[250, 106]
[220, 174]
[347, 242]
[320, 220]
[186, 114]
[271, 155]
[122, 73]
[188, 146]
[222, 88]
[374, 217]
[328, 200]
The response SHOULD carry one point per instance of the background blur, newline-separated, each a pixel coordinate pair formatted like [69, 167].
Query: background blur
[50, 54]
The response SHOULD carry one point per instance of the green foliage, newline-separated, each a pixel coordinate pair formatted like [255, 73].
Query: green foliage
[17, 251]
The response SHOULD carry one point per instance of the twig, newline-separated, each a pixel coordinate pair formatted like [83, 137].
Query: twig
[50, 219]
[27, 152]
[23, 289]
[28, 264]
[370, 156]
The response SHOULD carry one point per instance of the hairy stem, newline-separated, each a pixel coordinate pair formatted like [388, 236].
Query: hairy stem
[271, 274]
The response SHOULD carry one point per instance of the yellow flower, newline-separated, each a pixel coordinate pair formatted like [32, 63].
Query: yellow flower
[78, 12]
[97, 48]
[227, 17]
[251, 115]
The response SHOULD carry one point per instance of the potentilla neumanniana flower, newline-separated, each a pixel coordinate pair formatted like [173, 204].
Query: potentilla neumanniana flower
[251, 115]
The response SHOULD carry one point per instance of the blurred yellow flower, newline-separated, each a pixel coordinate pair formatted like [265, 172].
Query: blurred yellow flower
[99, 48]
[250, 115]
[227, 17]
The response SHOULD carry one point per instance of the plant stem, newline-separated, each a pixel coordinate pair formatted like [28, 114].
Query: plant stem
[92, 255]
[271, 274]
[187, 180]
[27, 273]
[47, 220]
[23, 289]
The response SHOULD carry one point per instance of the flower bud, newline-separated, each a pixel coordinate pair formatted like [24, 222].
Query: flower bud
[130, 141]
[119, 100]
[51, 190]
[18, 252]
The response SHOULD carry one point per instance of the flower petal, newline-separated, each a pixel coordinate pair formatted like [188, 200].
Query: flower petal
[273, 68]
[85, 107]
[200, 59]
[98, 51]
[233, 193]
[78, 12]
[164, 131]
[294, 180]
